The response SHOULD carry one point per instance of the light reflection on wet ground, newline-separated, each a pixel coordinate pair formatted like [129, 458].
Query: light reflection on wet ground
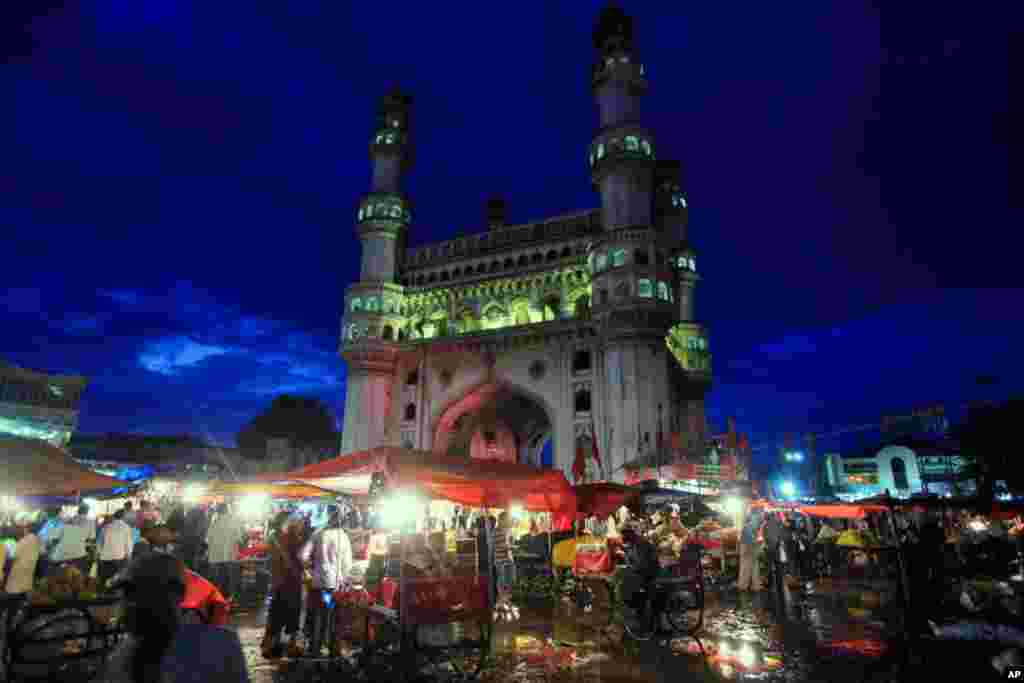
[802, 637]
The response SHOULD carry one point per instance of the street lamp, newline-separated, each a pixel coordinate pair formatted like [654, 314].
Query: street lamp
[788, 489]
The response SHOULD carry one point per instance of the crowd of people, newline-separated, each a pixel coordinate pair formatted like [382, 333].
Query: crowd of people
[943, 552]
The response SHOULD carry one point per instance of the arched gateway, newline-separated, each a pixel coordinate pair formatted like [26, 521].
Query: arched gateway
[495, 421]
[556, 336]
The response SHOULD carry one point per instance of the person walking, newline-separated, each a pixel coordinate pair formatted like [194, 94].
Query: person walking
[750, 553]
[330, 554]
[485, 553]
[772, 542]
[116, 549]
[22, 572]
[224, 539]
[195, 526]
[504, 563]
[160, 647]
[286, 585]
[72, 545]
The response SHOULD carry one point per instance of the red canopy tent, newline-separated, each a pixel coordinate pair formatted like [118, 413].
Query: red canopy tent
[476, 483]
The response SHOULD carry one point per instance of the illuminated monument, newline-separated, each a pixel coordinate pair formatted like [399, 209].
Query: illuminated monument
[36, 405]
[500, 343]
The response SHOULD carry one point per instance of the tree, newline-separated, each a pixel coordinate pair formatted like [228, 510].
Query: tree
[304, 421]
[989, 436]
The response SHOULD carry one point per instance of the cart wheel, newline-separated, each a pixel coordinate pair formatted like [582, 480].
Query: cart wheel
[677, 611]
[638, 624]
[469, 662]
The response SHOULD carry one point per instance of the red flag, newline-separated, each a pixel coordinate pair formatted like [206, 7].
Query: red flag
[744, 445]
[730, 438]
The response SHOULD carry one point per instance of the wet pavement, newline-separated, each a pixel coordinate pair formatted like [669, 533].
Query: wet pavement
[792, 635]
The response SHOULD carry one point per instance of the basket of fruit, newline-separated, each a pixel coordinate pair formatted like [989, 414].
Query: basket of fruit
[66, 629]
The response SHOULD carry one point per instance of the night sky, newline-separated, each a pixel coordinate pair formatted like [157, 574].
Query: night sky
[178, 185]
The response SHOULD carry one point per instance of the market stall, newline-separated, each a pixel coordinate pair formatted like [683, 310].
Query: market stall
[34, 468]
[427, 588]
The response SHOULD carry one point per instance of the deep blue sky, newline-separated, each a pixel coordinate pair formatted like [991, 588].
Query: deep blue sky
[178, 182]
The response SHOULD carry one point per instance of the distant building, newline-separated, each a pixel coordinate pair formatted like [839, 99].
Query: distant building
[904, 467]
[137, 457]
[38, 405]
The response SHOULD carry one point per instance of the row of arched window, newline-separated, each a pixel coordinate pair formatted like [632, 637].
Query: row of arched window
[354, 332]
[645, 289]
[552, 230]
[686, 263]
[609, 62]
[493, 267]
[388, 138]
[372, 304]
[631, 144]
[697, 344]
[384, 211]
[600, 261]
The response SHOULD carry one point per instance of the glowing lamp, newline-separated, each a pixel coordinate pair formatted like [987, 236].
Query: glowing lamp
[9, 504]
[788, 489]
[723, 649]
[193, 492]
[978, 525]
[734, 505]
[747, 657]
[253, 505]
[400, 510]
[516, 511]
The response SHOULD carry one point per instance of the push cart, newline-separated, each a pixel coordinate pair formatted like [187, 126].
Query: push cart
[443, 625]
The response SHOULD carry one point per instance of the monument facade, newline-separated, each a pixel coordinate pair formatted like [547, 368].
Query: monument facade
[535, 342]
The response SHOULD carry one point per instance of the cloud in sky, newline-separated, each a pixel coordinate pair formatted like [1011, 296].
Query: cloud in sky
[172, 361]
[170, 356]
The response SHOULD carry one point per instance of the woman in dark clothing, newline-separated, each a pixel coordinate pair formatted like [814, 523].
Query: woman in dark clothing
[485, 554]
[159, 648]
[772, 538]
[286, 584]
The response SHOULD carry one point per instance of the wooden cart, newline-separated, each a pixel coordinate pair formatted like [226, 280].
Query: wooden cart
[442, 625]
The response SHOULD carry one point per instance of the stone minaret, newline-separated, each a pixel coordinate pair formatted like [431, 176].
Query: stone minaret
[372, 323]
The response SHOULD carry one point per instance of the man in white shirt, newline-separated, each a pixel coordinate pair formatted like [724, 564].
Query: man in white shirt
[116, 549]
[330, 553]
[26, 555]
[71, 549]
[223, 540]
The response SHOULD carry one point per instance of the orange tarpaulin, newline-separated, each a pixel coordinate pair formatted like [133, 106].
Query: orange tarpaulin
[31, 467]
[833, 510]
[292, 490]
[476, 483]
